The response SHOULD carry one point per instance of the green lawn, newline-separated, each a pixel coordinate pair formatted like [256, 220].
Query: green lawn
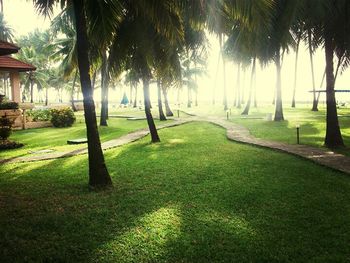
[56, 138]
[312, 124]
[194, 197]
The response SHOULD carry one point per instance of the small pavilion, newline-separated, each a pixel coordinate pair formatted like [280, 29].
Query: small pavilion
[13, 66]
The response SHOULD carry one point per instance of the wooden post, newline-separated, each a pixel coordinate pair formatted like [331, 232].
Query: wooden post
[15, 86]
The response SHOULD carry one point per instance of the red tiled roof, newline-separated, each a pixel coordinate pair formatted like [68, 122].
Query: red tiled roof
[8, 63]
[8, 48]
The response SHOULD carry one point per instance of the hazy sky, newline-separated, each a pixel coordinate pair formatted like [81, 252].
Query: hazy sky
[21, 15]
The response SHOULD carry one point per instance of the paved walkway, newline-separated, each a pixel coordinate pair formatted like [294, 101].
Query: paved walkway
[320, 156]
[235, 133]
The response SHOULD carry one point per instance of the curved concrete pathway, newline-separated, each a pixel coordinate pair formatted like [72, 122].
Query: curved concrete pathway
[235, 133]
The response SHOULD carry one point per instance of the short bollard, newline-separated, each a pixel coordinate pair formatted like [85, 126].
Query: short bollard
[178, 113]
[298, 133]
[227, 114]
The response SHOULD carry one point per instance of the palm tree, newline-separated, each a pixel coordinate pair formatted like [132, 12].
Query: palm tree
[297, 30]
[278, 41]
[98, 173]
[148, 47]
[65, 47]
[6, 32]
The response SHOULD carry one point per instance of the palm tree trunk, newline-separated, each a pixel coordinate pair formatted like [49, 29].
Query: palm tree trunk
[150, 121]
[314, 103]
[131, 102]
[296, 70]
[196, 91]
[168, 111]
[340, 60]
[135, 100]
[247, 107]
[189, 102]
[98, 173]
[47, 96]
[255, 100]
[216, 77]
[323, 78]
[279, 108]
[243, 88]
[333, 135]
[224, 71]
[104, 90]
[238, 102]
[160, 104]
[73, 90]
[31, 91]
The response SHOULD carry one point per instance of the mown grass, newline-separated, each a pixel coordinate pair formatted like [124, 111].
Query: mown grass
[56, 138]
[312, 124]
[194, 197]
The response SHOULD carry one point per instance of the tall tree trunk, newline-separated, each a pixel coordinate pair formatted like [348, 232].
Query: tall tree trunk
[247, 107]
[221, 39]
[322, 81]
[160, 104]
[279, 108]
[340, 61]
[178, 97]
[94, 75]
[131, 102]
[216, 78]
[243, 88]
[135, 100]
[168, 111]
[314, 102]
[98, 173]
[73, 90]
[196, 91]
[333, 135]
[104, 90]
[189, 102]
[238, 102]
[31, 91]
[255, 100]
[296, 70]
[46, 96]
[150, 121]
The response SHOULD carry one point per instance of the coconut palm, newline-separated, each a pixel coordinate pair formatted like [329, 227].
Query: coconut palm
[6, 32]
[297, 31]
[90, 11]
[279, 40]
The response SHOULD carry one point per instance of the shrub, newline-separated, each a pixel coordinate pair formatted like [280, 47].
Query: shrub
[8, 105]
[62, 117]
[39, 115]
[5, 128]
